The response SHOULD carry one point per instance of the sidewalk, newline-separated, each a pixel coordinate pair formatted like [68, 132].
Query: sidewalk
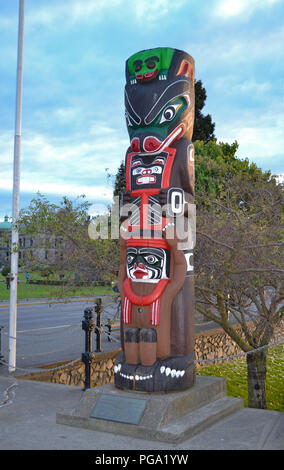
[28, 422]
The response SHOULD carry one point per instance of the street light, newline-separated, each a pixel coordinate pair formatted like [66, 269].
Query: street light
[16, 194]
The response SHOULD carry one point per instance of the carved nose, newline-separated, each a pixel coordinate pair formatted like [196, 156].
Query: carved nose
[140, 265]
[146, 172]
[151, 144]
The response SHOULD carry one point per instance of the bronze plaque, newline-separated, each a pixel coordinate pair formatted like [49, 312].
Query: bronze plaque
[121, 409]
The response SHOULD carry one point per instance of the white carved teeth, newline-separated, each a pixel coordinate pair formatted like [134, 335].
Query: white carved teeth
[131, 377]
[117, 368]
[172, 372]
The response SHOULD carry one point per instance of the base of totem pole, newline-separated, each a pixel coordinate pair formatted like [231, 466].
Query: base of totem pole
[172, 373]
[167, 417]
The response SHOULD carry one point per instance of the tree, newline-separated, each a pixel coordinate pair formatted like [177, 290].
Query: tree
[203, 126]
[239, 263]
[120, 180]
[5, 270]
[61, 231]
[216, 164]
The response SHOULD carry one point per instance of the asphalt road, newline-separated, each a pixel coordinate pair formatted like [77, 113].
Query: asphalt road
[48, 333]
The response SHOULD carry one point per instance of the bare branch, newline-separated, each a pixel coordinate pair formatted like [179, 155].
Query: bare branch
[215, 241]
[278, 270]
[265, 245]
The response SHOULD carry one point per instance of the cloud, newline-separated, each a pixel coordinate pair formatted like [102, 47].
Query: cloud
[260, 137]
[68, 165]
[87, 11]
[63, 189]
[152, 11]
[228, 52]
[227, 9]
[232, 84]
[92, 12]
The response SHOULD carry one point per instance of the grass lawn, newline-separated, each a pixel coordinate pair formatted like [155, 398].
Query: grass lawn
[33, 291]
[236, 373]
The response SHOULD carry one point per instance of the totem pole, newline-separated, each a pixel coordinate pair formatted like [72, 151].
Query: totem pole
[156, 270]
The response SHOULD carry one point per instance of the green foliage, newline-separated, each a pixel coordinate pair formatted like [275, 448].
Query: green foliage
[216, 164]
[62, 230]
[120, 180]
[203, 126]
[5, 271]
[235, 372]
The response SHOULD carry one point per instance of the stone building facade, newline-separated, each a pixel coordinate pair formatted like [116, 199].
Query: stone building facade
[29, 246]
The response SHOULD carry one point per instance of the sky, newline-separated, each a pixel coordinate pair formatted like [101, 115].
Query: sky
[73, 124]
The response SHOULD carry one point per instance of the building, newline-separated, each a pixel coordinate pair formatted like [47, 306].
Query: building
[30, 246]
[5, 241]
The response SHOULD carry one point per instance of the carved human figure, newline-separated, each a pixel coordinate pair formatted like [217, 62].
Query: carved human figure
[155, 278]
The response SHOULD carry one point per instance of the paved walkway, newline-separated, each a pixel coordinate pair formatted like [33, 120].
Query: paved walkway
[28, 422]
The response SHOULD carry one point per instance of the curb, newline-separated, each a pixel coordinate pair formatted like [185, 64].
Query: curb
[46, 301]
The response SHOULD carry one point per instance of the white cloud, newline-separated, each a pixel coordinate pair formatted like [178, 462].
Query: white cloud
[71, 12]
[226, 9]
[71, 165]
[232, 84]
[149, 11]
[30, 185]
[93, 11]
[238, 50]
[260, 138]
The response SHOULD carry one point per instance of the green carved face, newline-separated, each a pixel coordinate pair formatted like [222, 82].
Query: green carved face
[146, 65]
[166, 119]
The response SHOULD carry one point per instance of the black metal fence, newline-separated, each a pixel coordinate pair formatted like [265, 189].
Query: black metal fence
[93, 325]
[1, 355]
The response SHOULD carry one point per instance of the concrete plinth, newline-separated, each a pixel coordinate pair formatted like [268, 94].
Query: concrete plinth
[167, 417]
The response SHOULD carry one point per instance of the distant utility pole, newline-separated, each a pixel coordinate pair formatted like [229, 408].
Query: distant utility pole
[16, 194]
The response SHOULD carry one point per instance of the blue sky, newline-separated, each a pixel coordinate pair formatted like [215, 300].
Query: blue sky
[73, 125]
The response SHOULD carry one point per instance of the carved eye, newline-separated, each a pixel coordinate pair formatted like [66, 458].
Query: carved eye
[151, 259]
[137, 65]
[156, 169]
[130, 259]
[151, 65]
[169, 113]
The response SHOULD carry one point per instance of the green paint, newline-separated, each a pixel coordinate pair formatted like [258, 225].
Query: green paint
[157, 127]
[140, 59]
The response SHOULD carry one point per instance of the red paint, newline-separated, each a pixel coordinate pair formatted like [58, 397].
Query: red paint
[147, 76]
[151, 144]
[146, 299]
[145, 193]
[148, 242]
[140, 271]
[135, 145]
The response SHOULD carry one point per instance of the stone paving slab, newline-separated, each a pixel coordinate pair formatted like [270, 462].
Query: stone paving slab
[28, 422]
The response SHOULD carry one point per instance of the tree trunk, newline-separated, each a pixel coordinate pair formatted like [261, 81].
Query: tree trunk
[256, 369]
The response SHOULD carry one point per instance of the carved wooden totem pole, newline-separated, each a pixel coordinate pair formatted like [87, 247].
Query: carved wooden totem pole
[156, 272]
